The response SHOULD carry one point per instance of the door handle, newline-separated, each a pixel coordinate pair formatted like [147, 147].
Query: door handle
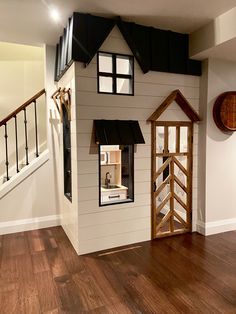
[114, 196]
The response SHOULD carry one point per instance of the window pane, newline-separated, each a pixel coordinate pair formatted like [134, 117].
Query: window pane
[124, 86]
[67, 155]
[183, 139]
[105, 63]
[172, 139]
[105, 84]
[123, 65]
[116, 174]
[160, 139]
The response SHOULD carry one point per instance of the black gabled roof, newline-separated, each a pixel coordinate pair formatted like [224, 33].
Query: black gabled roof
[89, 33]
[118, 132]
[154, 49]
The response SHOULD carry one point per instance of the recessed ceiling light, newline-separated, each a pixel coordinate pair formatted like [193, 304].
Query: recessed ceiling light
[54, 14]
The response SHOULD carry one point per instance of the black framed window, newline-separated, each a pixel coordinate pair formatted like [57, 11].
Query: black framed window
[67, 155]
[115, 73]
[116, 174]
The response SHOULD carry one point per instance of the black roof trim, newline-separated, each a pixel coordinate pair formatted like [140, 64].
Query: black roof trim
[118, 132]
[154, 49]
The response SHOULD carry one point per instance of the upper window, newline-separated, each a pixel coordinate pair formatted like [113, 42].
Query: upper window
[115, 73]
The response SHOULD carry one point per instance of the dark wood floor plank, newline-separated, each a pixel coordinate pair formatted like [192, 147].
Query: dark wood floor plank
[28, 297]
[88, 290]
[41, 273]
[35, 241]
[9, 303]
[218, 273]
[199, 279]
[164, 283]
[174, 289]
[131, 292]
[14, 244]
[118, 308]
[48, 297]
[1, 247]
[56, 263]
[112, 290]
[9, 270]
[66, 288]
[40, 262]
[70, 257]
[152, 297]
[28, 293]
[69, 294]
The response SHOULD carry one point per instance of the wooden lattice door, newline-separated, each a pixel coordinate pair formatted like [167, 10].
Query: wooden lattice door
[171, 178]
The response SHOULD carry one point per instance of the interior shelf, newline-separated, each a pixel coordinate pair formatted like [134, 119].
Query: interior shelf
[111, 164]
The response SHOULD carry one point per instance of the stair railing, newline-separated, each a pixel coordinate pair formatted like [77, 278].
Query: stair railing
[13, 115]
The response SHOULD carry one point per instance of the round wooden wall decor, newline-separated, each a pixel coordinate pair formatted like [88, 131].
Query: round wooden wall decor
[224, 112]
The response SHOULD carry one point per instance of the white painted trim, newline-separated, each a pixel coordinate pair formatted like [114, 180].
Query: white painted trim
[214, 227]
[200, 227]
[29, 224]
[194, 226]
[6, 187]
[72, 237]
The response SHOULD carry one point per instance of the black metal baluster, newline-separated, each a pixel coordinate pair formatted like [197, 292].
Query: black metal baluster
[26, 138]
[36, 130]
[6, 145]
[16, 137]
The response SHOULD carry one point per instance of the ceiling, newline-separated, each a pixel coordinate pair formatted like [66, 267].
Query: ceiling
[28, 21]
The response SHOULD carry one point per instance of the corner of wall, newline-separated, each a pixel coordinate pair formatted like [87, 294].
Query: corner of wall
[202, 147]
[53, 125]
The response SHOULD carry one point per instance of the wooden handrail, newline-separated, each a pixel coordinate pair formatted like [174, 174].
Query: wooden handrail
[22, 107]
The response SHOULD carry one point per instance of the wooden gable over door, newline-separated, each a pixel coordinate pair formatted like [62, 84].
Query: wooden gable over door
[179, 98]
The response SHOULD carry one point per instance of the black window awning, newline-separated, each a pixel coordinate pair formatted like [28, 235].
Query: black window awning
[118, 132]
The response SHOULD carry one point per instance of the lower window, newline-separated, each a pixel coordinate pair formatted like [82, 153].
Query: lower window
[116, 174]
[67, 155]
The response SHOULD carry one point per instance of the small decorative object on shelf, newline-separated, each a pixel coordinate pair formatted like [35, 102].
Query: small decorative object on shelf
[224, 112]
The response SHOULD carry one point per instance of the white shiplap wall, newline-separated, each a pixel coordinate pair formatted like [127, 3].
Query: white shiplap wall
[69, 210]
[111, 226]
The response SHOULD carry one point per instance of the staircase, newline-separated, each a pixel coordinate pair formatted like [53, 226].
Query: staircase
[19, 137]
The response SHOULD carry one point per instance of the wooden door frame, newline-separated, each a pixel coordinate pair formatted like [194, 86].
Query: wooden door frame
[189, 155]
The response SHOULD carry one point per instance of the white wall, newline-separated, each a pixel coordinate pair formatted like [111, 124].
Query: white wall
[115, 225]
[69, 209]
[216, 34]
[218, 201]
[29, 204]
[21, 77]
[35, 202]
[53, 128]
[202, 142]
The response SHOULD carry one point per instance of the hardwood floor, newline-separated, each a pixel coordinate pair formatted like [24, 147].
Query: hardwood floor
[41, 273]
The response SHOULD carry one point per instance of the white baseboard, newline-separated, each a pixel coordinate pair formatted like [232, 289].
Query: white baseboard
[29, 224]
[214, 227]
